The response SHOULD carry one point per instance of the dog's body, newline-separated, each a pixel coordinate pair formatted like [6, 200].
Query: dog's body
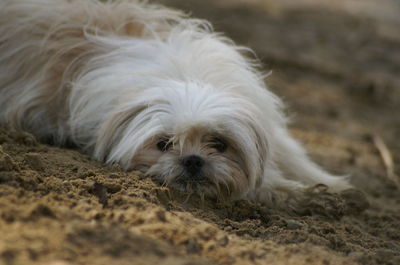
[145, 87]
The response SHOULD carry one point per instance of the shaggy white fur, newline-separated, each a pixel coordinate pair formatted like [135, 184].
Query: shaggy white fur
[146, 87]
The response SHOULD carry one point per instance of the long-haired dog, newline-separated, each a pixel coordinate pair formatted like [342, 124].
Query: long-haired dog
[148, 88]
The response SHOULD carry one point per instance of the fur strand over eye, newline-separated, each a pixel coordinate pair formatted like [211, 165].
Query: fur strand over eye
[219, 144]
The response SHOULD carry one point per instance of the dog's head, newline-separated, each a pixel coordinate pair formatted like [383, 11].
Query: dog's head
[189, 136]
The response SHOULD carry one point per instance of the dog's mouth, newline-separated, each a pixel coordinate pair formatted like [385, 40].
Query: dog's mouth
[198, 184]
[191, 183]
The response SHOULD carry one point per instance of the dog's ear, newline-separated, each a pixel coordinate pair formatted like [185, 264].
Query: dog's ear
[252, 142]
[112, 130]
[262, 146]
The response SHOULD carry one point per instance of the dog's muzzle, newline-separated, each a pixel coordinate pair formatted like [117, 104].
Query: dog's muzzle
[193, 166]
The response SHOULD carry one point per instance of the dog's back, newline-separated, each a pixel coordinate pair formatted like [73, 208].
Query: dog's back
[44, 42]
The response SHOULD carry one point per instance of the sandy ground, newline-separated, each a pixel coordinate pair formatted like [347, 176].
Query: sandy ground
[337, 67]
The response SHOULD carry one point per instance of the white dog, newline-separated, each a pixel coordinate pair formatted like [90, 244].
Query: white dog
[148, 88]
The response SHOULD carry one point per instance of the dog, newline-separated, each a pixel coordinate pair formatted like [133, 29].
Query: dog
[153, 90]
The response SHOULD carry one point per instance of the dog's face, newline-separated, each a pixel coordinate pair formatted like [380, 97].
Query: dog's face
[199, 160]
[192, 138]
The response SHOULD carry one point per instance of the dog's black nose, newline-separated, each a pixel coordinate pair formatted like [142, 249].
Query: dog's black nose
[193, 164]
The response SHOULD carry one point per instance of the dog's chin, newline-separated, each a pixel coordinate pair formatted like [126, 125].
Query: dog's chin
[221, 181]
[201, 186]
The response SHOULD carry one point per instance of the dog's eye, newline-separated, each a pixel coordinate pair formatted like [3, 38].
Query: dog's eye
[164, 144]
[219, 144]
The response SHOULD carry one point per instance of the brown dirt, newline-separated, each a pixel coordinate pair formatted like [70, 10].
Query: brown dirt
[339, 72]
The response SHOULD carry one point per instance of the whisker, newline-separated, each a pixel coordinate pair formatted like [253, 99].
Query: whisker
[188, 197]
[217, 186]
[227, 187]
[165, 183]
